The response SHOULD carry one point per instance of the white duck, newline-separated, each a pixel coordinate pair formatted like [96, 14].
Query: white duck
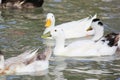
[32, 62]
[73, 29]
[96, 47]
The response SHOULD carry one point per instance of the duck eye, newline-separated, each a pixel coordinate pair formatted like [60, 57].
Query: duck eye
[55, 30]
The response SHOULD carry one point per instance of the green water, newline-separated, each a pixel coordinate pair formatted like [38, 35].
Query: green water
[21, 30]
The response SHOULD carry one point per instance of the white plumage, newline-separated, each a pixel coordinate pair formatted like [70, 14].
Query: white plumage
[98, 46]
[73, 29]
[27, 62]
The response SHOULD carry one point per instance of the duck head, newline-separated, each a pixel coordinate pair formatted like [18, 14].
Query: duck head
[50, 22]
[57, 33]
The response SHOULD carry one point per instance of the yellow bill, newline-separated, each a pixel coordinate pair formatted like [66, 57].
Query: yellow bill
[48, 23]
[46, 35]
[90, 28]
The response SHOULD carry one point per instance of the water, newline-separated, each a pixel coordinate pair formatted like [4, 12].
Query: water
[21, 30]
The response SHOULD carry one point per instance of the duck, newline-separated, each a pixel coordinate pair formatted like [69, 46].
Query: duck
[20, 4]
[73, 29]
[28, 62]
[105, 45]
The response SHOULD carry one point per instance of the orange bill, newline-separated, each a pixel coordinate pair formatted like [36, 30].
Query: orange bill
[48, 23]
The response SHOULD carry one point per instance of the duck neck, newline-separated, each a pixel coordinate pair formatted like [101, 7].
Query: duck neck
[53, 23]
[60, 44]
[48, 29]
[98, 33]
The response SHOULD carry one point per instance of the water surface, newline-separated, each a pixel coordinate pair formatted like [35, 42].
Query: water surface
[21, 30]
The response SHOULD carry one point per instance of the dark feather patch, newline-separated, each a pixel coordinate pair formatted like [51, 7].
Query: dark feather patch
[1, 53]
[100, 23]
[41, 57]
[103, 40]
[94, 20]
[112, 39]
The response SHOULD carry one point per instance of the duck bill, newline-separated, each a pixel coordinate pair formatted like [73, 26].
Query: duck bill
[46, 35]
[48, 23]
[89, 29]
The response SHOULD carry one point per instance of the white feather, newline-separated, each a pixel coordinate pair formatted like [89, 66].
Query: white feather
[73, 29]
[82, 47]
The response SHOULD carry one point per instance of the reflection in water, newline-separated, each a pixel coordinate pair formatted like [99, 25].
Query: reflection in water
[21, 29]
[66, 68]
[40, 73]
[58, 70]
[25, 77]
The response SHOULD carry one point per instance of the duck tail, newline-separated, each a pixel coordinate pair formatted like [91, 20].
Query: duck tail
[95, 16]
[32, 53]
[22, 2]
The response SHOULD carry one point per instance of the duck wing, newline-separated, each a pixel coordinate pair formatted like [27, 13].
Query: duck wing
[26, 56]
